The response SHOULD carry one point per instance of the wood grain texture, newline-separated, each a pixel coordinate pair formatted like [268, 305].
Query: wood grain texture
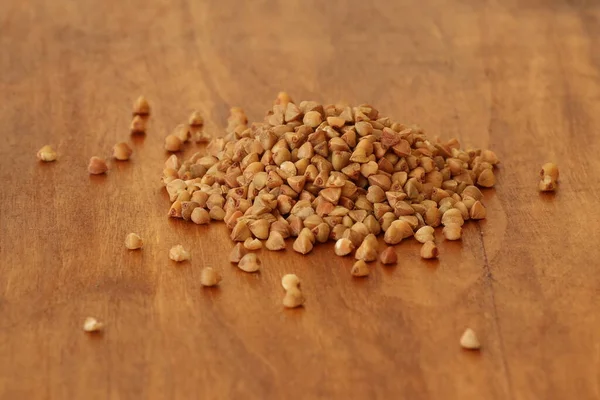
[520, 77]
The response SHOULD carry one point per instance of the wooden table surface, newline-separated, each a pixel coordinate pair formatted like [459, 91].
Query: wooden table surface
[519, 77]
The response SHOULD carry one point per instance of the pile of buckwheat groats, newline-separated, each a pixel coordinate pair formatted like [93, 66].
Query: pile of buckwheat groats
[327, 172]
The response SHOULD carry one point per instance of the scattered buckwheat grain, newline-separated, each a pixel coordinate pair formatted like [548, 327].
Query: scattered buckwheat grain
[209, 277]
[549, 169]
[388, 256]
[249, 263]
[133, 241]
[290, 281]
[360, 269]
[237, 253]
[293, 298]
[46, 154]
[141, 106]
[122, 151]
[97, 166]
[429, 250]
[138, 124]
[179, 254]
[173, 143]
[195, 120]
[92, 325]
[547, 184]
[469, 340]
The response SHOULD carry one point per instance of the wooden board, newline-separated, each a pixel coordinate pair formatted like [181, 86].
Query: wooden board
[520, 77]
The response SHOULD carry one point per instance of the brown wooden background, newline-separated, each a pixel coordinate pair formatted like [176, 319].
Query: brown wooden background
[520, 77]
